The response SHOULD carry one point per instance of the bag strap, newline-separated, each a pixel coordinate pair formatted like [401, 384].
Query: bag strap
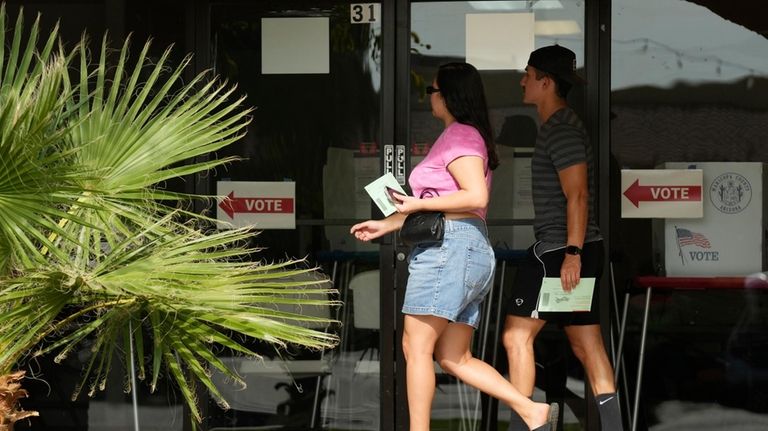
[432, 193]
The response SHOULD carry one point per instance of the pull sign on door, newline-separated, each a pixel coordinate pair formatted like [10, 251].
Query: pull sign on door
[364, 13]
[400, 164]
[394, 162]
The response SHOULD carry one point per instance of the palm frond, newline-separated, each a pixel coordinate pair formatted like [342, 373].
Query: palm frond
[136, 135]
[36, 176]
[90, 260]
[192, 291]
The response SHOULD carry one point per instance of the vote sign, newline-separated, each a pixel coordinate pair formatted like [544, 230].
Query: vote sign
[661, 193]
[262, 205]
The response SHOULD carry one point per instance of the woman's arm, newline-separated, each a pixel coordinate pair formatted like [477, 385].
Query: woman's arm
[469, 173]
[372, 229]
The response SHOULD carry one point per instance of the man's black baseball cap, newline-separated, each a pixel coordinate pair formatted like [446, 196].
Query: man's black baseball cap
[558, 61]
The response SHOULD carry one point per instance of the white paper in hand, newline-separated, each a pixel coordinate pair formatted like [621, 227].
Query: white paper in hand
[377, 190]
[553, 298]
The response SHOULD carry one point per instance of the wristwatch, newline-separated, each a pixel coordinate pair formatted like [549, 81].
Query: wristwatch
[572, 249]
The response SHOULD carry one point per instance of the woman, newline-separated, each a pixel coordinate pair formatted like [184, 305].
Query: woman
[448, 282]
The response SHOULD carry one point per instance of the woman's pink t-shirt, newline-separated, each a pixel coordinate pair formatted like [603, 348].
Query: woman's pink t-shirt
[457, 140]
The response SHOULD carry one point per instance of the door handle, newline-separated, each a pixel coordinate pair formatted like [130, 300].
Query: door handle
[394, 162]
[400, 157]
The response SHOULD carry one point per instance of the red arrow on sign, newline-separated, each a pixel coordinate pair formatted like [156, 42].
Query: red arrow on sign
[260, 205]
[637, 193]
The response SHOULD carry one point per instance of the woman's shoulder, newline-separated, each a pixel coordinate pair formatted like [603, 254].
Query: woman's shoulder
[457, 128]
[462, 133]
[460, 140]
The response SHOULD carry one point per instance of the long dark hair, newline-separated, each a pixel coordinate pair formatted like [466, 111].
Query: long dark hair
[462, 89]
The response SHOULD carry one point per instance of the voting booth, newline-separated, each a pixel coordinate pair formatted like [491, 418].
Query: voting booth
[729, 240]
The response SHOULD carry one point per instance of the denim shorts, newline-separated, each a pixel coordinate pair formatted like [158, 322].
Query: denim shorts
[451, 280]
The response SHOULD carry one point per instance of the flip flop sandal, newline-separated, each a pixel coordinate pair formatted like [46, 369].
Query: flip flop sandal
[552, 417]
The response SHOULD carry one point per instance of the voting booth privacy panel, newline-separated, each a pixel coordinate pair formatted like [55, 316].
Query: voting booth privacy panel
[729, 240]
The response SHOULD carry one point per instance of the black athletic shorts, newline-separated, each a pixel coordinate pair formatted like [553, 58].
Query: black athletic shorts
[525, 290]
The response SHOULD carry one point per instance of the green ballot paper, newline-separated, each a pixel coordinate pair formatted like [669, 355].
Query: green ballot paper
[553, 298]
[377, 190]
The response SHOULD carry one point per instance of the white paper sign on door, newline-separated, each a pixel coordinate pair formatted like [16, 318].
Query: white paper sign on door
[499, 41]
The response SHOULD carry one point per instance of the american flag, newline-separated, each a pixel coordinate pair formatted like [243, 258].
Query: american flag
[686, 237]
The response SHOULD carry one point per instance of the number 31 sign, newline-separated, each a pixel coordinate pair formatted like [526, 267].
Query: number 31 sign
[364, 13]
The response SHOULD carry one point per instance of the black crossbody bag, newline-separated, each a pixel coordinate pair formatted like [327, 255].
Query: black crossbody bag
[423, 227]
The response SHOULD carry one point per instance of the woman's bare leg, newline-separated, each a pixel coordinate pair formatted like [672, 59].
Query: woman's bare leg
[453, 355]
[420, 333]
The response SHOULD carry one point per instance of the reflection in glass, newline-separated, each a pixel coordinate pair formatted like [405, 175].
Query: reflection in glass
[320, 129]
[439, 34]
[688, 86]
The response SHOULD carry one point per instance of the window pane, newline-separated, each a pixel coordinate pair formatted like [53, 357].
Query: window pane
[688, 88]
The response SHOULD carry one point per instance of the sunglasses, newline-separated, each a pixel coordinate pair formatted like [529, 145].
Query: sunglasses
[431, 89]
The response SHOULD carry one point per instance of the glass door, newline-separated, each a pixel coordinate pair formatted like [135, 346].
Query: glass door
[312, 71]
[338, 95]
[496, 37]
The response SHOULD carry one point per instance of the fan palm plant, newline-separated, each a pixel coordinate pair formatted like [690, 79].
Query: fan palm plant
[92, 258]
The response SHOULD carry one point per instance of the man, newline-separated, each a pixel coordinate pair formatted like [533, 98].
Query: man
[568, 241]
